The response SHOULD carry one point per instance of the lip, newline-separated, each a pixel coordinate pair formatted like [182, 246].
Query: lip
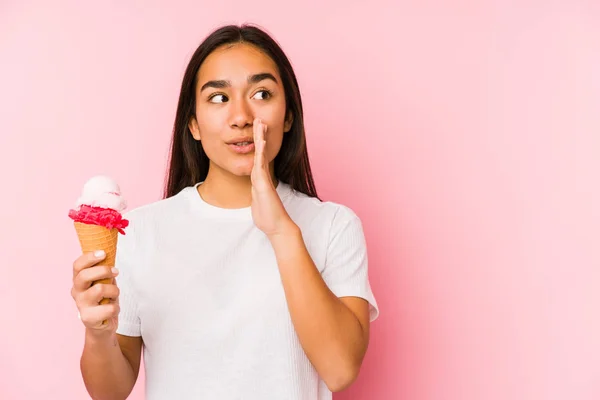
[241, 139]
[249, 148]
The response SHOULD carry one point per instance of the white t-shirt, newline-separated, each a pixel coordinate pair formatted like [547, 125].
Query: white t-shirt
[201, 285]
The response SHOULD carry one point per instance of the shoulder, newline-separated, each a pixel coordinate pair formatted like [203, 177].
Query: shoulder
[329, 215]
[152, 214]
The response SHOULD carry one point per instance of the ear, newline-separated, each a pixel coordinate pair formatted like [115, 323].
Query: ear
[194, 129]
[289, 120]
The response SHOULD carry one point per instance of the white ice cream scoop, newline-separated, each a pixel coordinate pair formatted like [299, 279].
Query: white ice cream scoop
[102, 191]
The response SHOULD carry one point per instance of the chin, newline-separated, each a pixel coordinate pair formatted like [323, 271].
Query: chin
[241, 173]
[242, 169]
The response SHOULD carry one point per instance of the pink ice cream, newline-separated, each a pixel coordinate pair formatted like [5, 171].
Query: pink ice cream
[101, 203]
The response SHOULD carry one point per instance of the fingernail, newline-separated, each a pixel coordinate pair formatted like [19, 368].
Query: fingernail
[99, 254]
[114, 270]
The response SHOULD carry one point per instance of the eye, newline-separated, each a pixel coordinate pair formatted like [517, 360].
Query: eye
[265, 94]
[218, 98]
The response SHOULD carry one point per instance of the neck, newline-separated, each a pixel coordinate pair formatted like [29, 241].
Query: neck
[226, 190]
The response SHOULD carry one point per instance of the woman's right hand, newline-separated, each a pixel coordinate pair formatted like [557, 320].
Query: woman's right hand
[88, 293]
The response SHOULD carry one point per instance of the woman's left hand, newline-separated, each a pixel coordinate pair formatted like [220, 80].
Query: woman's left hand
[268, 211]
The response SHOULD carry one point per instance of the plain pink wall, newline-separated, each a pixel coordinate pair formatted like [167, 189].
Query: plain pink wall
[465, 134]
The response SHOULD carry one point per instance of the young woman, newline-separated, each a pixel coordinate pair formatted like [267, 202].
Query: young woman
[241, 283]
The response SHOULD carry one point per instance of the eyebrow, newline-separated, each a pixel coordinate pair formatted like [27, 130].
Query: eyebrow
[221, 84]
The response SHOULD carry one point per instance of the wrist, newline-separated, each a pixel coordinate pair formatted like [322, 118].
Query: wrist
[99, 337]
[288, 244]
[288, 230]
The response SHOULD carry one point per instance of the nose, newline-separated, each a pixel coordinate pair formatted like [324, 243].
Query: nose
[240, 114]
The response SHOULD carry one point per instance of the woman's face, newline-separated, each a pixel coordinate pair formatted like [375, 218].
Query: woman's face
[237, 84]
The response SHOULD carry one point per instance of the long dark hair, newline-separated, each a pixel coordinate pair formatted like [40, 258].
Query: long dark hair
[188, 163]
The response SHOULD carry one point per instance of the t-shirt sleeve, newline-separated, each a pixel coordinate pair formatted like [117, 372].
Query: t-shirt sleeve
[346, 263]
[129, 319]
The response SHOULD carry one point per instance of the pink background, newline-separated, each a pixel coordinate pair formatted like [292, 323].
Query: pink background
[465, 134]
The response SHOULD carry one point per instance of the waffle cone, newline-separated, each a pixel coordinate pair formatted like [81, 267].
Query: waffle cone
[95, 237]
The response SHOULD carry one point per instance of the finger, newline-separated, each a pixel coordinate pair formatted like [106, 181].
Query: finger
[258, 129]
[97, 293]
[88, 276]
[263, 145]
[258, 142]
[87, 260]
[93, 316]
[260, 159]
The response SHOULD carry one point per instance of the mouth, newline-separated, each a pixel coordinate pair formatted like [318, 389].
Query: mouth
[242, 147]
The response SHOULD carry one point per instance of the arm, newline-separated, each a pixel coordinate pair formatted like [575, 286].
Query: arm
[109, 362]
[110, 365]
[334, 332]
[333, 328]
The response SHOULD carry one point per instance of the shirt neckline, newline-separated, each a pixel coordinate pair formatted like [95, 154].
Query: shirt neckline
[209, 210]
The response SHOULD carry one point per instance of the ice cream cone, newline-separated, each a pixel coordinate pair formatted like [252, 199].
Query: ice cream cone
[99, 220]
[96, 237]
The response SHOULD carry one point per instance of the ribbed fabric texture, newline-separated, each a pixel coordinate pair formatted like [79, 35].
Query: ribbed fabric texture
[201, 285]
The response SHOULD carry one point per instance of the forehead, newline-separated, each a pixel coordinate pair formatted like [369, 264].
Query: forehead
[235, 62]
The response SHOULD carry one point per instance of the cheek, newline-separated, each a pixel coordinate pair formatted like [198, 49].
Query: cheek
[275, 120]
[273, 146]
[273, 113]
[212, 147]
[209, 132]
